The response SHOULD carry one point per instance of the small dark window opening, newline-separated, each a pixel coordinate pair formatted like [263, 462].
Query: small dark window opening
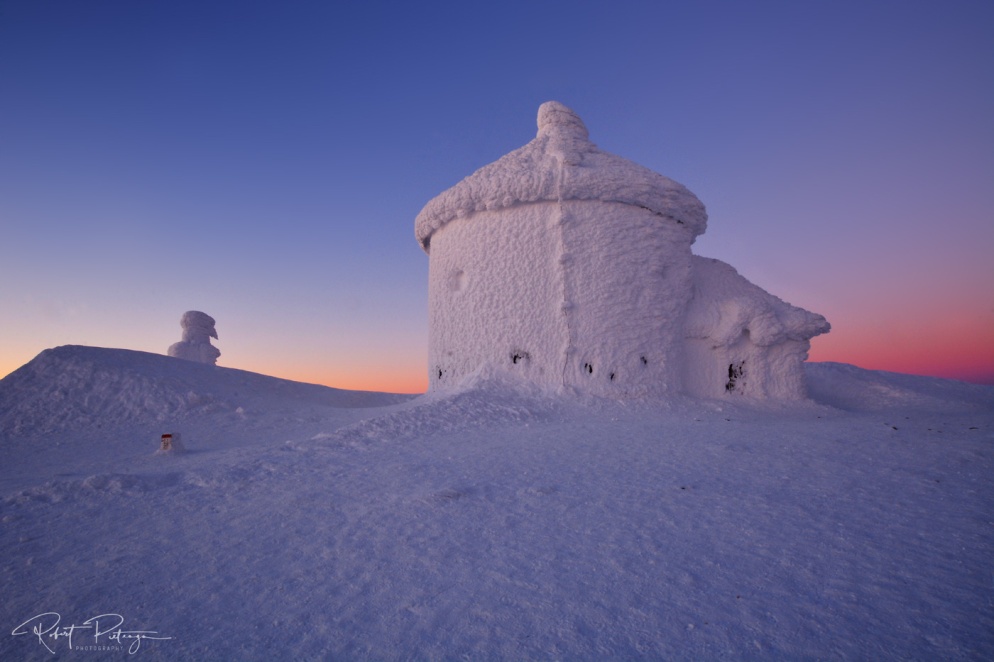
[735, 373]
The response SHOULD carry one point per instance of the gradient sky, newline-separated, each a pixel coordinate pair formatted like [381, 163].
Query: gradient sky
[264, 161]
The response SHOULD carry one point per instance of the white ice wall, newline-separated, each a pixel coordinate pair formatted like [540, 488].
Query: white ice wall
[627, 281]
[494, 293]
[579, 295]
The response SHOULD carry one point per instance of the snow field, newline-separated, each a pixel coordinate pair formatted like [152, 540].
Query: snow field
[498, 524]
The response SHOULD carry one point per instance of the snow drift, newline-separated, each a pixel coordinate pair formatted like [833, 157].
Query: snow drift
[494, 521]
[73, 388]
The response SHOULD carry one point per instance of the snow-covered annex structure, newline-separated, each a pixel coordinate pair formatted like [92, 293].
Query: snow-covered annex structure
[572, 268]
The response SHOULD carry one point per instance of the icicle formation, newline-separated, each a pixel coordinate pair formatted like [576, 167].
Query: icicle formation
[198, 329]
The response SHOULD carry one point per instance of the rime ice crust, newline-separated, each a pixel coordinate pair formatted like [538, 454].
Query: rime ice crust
[198, 329]
[560, 164]
[742, 339]
[571, 268]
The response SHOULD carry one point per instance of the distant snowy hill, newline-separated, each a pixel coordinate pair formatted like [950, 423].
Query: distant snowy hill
[855, 389]
[74, 387]
[489, 523]
[95, 405]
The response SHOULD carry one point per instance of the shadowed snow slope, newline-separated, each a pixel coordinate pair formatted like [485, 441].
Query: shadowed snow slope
[72, 387]
[492, 523]
[98, 406]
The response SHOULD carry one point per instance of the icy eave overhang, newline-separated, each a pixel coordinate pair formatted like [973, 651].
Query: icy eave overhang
[561, 164]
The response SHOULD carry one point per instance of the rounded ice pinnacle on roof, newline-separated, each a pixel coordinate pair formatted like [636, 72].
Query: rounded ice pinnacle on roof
[555, 118]
[561, 164]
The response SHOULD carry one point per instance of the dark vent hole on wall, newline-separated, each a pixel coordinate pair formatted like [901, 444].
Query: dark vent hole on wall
[735, 373]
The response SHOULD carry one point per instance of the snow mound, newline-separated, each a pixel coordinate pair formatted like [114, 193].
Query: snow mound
[850, 388]
[483, 401]
[74, 387]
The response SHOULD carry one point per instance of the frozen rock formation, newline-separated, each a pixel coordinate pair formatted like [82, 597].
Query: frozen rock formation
[571, 268]
[198, 329]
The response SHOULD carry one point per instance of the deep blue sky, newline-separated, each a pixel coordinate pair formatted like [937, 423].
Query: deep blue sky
[264, 162]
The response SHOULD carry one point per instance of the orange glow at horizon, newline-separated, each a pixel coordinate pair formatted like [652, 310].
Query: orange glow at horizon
[961, 350]
[397, 374]
[381, 382]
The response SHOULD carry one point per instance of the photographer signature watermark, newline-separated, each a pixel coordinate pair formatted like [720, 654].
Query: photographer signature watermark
[103, 632]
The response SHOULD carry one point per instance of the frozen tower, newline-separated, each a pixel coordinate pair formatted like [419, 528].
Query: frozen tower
[571, 267]
[198, 329]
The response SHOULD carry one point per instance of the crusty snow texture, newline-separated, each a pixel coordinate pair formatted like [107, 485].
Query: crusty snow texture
[572, 268]
[71, 388]
[545, 292]
[492, 523]
[742, 339]
[198, 329]
[560, 164]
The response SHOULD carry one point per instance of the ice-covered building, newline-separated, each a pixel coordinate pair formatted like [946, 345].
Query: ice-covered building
[572, 268]
[198, 329]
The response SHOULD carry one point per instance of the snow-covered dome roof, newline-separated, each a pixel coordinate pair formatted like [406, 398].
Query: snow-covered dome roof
[561, 164]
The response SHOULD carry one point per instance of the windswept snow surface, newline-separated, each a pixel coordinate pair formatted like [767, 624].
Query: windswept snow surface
[491, 523]
[91, 406]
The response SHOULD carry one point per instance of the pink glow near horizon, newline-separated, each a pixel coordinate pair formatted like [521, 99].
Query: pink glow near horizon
[946, 348]
[956, 352]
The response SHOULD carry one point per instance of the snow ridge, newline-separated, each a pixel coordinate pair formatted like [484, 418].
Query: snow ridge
[854, 389]
[75, 387]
